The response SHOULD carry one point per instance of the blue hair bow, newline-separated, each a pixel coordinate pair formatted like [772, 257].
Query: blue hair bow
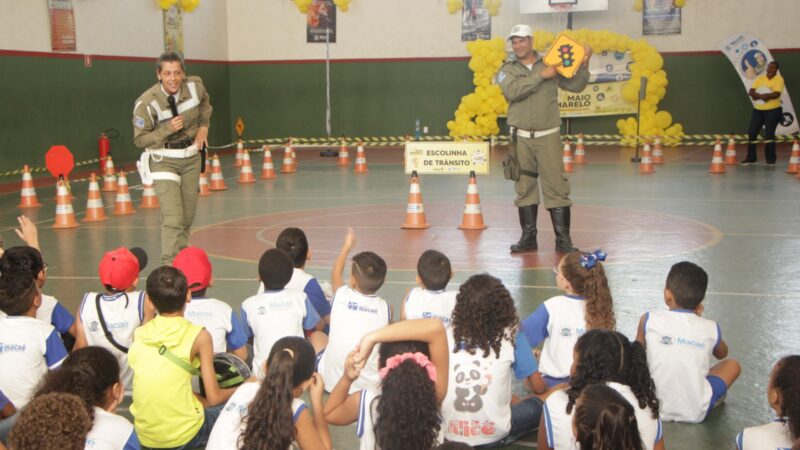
[588, 260]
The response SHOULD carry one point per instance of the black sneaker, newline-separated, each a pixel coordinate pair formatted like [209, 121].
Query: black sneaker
[747, 162]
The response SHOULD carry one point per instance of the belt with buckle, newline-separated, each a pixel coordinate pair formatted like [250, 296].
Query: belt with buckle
[534, 134]
[179, 145]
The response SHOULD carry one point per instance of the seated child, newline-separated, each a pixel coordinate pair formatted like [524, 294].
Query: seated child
[109, 319]
[165, 354]
[356, 310]
[217, 317]
[431, 300]
[270, 414]
[30, 347]
[783, 394]
[605, 420]
[278, 312]
[679, 344]
[55, 421]
[92, 374]
[561, 320]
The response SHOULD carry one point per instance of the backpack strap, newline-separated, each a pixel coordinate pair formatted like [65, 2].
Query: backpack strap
[173, 358]
[102, 320]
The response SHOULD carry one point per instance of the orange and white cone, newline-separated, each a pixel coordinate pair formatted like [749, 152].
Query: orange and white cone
[646, 165]
[109, 177]
[344, 155]
[361, 159]
[288, 165]
[28, 198]
[717, 161]
[658, 152]
[580, 151]
[239, 151]
[217, 180]
[267, 168]
[123, 205]
[149, 198]
[291, 146]
[794, 159]
[204, 187]
[95, 212]
[415, 211]
[246, 172]
[568, 167]
[473, 217]
[730, 152]
[65, 215]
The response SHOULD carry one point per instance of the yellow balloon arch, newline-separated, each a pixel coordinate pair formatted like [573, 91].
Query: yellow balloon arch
[478, 111]
[186, 5]
[493, 6]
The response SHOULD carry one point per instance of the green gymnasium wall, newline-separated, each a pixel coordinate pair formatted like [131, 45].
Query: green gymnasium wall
[48, 100]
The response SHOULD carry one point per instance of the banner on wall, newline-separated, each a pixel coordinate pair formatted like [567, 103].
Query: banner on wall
[661, 17]
[750, 56]
[173, 30]
[62, 26]
[609, 71]
[475, 21]
[321, 21]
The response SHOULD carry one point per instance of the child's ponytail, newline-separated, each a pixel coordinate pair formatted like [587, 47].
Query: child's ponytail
[637, 377]
[586, 275]
[786, 380]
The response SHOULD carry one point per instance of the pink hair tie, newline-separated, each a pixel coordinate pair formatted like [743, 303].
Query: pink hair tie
[418, 358]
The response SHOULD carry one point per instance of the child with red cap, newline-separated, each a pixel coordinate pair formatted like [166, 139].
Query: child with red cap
[108, 319]
[217, 317]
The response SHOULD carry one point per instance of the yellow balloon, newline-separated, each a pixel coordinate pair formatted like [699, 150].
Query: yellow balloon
[638, 5]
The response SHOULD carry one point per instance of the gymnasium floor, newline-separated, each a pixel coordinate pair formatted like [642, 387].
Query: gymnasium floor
[737, 225]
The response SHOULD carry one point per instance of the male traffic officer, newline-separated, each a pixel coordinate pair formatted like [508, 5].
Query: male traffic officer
[531, 88]
[172, 145]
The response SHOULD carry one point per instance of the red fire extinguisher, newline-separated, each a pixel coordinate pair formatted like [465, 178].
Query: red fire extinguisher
[104, 145]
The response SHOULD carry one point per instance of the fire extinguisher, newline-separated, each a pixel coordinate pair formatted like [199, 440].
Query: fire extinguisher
[104, 145]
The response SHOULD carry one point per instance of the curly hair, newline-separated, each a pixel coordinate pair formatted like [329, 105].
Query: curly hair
[604, 420]
[592, 285]
[786, 380]
[604, 356]
[54, 421]
[268, 424]
[22, 258]
[484, 315]
[407, 411]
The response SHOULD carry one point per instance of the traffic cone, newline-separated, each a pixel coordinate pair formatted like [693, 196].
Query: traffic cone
[580, 151]
[267, 168]
[730, 153]
[717, 161]
[794, 159]
[344, 156]
[204, 189]
[361, 159]
[109, 177]
[288, 165]
[291, 146]
[65, 215]
[568, 168]
[415, 212]
[646, 165]
[217, 180]
[239, 151]
[95, 212]
[246, 172]
[473, 217]
[123, 204]
[149, 198]
[28, 197]
[658, 153]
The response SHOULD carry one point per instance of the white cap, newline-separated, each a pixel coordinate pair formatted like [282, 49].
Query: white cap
[520, 31]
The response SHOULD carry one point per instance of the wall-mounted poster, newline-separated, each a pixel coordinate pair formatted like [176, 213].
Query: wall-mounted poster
[475, 21]
[661, 17]
[62, 26]
[321, 21]
[173, 30]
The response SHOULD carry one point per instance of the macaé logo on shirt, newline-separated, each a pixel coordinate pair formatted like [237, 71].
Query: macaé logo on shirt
[353, 306]
[8, 348]
[666, 340]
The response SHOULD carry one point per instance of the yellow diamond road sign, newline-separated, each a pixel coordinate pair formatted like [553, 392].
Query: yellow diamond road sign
[239, 126]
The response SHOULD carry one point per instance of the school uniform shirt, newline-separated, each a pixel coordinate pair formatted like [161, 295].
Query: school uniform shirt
[477, 407]
[559, 322]
[424, 304]
[3, 400]
[53, 313]
[558, 423]
[230, 423]
[679, 345]
[111, 432]
[123, 312]
[304, 281]
[771, 436]
[28, 349]
[220, 320]
[272, 315]
[353, 315]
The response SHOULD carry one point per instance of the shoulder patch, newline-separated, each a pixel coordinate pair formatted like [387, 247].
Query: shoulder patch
[138, 122]
[501, 76]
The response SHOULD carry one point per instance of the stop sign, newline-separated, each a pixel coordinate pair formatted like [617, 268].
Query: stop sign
[59, 161]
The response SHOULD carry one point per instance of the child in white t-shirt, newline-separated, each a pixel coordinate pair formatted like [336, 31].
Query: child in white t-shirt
[430, 299]
[605, 419]
[679, 345]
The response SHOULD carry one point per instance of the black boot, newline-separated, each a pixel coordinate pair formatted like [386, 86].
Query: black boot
[527, 221]
[560, 218]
